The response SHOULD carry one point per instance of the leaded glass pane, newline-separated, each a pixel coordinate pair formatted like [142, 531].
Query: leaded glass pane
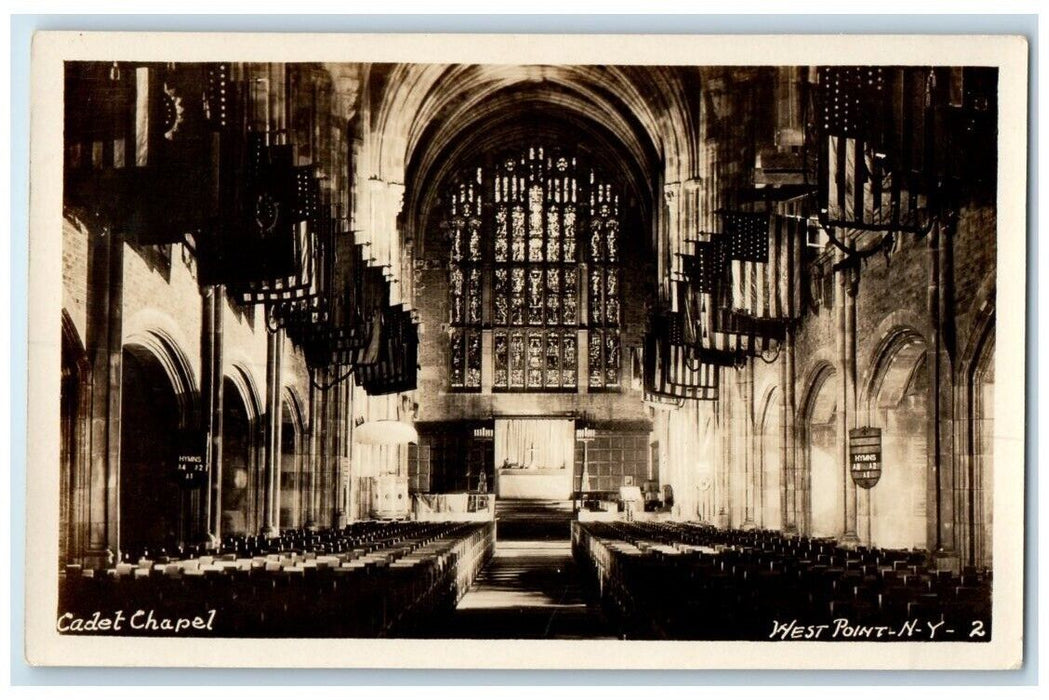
[458, 358]
[535, 360]
[535, 296]
[596, 240]
[517, 360]
[612, 239]
[611, 358]
[569, 234]
[473, 359]
[501, 359]
[474, 297]
[457, 240]
[517, 297]
[517, 233]
[597, 373]
[475, 240]
[595, 296]
[553, 360]
[553, 296]
[570, 313]
[458, 294]
[568, 375]
[500, 299]
[502, 235]
[553, 233]
[612, 297]
[535, 223]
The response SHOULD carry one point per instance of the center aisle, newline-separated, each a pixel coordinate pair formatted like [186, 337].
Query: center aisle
[529, 590]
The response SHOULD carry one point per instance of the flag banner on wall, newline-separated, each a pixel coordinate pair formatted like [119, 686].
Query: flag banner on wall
[764, 265]
[873, 141]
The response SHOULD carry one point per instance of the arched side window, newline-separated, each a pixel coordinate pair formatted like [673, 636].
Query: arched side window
[542, 239]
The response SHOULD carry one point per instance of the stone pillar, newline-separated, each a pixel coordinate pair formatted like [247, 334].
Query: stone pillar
[271, 480]
[850, 282]
[104, 333]
[746, 435]
[312, 437]
[213, 400]
[791, 485]
[941, 306]
[722, 466]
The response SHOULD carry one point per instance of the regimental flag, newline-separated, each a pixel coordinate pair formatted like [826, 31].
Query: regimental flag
[140, 132]
[872, 144]
[173, 164]
[309, 312]
[765, 265]
[270, 238]
[311, 239]
[395, 367]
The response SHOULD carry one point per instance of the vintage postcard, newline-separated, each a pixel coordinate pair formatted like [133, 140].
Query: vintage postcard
[438, 351]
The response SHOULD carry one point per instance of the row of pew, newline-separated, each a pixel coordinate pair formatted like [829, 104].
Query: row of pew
[370, 579]
[676, 580]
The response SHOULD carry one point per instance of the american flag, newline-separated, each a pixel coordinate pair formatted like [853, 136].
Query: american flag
[705, 266]
[867, 148]
[765, 269]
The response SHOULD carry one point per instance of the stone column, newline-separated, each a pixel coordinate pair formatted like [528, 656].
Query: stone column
[104, 339]
[271, 481]
[309, 517]
[213, 399]
[791, 486]
[941, 306]
[850, 281]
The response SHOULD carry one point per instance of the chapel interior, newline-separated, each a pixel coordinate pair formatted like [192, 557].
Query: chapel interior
[527, 351]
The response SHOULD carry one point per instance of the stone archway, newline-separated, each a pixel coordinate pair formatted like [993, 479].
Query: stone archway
[157, 515]
[893, 513]
[242, 486]
[770, 462]
[824, 498]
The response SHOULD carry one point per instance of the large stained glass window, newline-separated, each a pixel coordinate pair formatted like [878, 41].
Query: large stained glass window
[535, 256]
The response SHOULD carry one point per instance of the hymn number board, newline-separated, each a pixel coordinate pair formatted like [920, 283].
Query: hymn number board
[192, 460]
[865, 456]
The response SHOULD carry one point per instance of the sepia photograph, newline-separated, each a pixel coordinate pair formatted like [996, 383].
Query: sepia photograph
[493, 349]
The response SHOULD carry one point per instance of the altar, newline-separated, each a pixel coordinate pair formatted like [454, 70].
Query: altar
[534, 458]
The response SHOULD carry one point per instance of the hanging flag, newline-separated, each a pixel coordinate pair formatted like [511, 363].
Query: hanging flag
[705, 266]
[765, 269]
[869, 178]
[718, 336]
[672, 372]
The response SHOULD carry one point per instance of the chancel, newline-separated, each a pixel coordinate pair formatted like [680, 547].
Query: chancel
[528, 351]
